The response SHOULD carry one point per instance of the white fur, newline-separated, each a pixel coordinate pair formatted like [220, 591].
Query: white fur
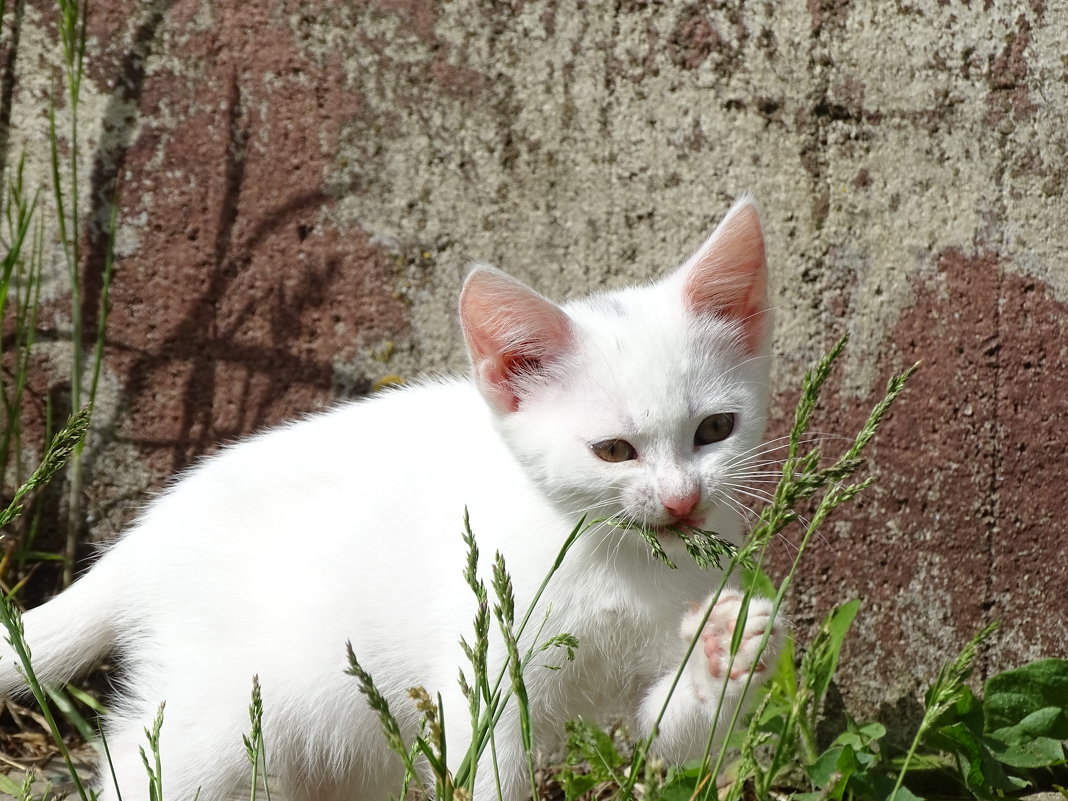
[347, 526]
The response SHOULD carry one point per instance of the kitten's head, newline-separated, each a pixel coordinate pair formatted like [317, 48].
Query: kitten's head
[644, 405]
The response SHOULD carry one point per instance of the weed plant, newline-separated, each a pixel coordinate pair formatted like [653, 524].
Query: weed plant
[55, 457]
[69, 215]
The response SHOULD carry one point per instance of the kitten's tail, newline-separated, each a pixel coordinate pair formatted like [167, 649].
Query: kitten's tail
[68, 634]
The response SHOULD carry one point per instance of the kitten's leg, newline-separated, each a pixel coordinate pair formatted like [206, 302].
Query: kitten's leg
[711, 681]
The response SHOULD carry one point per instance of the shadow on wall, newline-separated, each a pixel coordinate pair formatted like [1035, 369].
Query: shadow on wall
[234, 293]
[206, 351]
[240, 295]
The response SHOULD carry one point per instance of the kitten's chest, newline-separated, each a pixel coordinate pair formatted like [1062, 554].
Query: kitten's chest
[621, 651]
[623, 636]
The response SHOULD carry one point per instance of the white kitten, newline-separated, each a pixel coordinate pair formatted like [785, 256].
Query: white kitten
[642, 405]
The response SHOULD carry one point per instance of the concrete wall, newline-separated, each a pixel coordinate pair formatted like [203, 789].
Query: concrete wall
[302, 186]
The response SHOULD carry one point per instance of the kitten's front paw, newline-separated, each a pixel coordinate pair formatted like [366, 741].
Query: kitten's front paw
[711, 667]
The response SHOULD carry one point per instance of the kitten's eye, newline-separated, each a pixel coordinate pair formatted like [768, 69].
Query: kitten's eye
[714, 428]
[614, 450]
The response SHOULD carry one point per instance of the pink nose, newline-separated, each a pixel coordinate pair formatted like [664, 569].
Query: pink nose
[681, 505]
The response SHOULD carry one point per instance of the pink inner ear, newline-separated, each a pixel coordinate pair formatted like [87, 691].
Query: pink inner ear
[512, 332]
[728, 277]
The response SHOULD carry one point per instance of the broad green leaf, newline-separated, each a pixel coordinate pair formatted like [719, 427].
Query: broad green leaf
[680, 785]
[1034, 742]
[576, 785]
[875, 786]
[1013, 695]
[820, 771]
[1052, 722]
[832, 769]
[983, 775]
[872, 731]
[9, 787]
[861, 737]
[1034, 752]
[903, 794]
[843, 768]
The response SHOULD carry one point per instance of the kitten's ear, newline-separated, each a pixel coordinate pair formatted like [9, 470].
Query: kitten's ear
[727, 277]
[512, 333]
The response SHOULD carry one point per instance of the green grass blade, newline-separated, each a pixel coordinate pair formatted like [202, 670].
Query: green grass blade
[61, 701]
[57, 455]
[11, 620]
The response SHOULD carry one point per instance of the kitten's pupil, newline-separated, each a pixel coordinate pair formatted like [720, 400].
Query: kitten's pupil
[614, 450]
[714, 428]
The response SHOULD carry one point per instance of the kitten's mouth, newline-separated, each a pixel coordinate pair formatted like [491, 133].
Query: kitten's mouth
[704, 547]
[683, 524]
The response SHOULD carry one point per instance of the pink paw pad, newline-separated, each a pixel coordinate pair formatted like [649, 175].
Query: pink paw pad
[715, 640]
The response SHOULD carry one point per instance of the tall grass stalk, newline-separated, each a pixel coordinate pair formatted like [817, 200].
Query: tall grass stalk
[59, 451]
[154, 766]
[504, 611]
[487, 698]
[20, 282]
[11, 619]
[105, 297]
[943, 694]
[66, 195]
[476, 654]
[803, 691]
[71, 27]
[495, 696]
[110, 763]
[255, 747]
[20, 792]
